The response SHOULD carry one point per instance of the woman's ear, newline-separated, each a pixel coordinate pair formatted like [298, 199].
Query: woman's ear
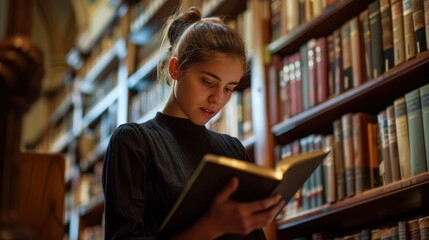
[173, 67]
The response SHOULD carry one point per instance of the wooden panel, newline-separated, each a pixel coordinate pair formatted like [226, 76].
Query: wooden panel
[40, 194]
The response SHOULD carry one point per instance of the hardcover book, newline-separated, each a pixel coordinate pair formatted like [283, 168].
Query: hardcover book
[255, 183]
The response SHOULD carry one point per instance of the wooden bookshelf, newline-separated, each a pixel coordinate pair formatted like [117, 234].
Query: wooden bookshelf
[375, 208]
[322, 25]
[144, 76]
[366, 97]
[118, 51]
[151, 20]
[392, 202]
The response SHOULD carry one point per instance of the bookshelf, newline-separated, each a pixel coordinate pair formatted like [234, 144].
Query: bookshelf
[380, 206]
[369, 209]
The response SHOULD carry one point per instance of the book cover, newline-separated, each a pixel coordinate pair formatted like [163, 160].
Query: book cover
[256, 182]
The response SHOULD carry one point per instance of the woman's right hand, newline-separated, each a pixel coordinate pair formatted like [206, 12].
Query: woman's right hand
[228, 216]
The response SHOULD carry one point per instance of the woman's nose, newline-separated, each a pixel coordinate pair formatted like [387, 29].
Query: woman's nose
[216, 96]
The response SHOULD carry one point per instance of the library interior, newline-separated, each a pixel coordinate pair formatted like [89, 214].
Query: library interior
[347, 76]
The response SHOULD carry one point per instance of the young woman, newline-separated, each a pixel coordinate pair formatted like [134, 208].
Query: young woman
[147, 165]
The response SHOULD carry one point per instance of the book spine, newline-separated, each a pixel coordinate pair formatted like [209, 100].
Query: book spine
[393, 144]
[339, 159]
[387, 34]
[376, 38]
[329, 169]
[346, 57]
[357, 52]
[361, 152]
[274, 89]
[293, 85]
[292, 13]
[426, 11]
[424, 227]
[413, 226]
[374, 154]
[312, 74]
[285, 91]
[276, 9]
[349, 166]
[338, 66]
[298, 83]
[398, 31]
[385, 167]
[419, 25]
[322, 69]
[410, 44]
[304, 79]
[415, 129]
[366, 32]
[403, 230]
[331, 65]
[402, 137]
[424, 99]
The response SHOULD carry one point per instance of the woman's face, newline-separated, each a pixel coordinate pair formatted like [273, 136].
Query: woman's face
[203, 89]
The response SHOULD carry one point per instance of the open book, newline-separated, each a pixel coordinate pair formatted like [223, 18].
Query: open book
[255, 183]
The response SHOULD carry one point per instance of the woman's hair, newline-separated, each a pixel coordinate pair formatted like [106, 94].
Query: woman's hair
[195, 40]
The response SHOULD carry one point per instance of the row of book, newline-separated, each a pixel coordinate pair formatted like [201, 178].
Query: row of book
[102, 88]
[360, 50]
[368, 150]
[92, 138]
[90, 187]
[118, 29]
[146, 100]
[413, 229]
[286, 15]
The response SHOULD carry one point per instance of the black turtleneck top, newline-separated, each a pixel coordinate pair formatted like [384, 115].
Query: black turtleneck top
[146, 167]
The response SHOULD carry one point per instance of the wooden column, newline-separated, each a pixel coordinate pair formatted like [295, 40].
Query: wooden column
[21, 71]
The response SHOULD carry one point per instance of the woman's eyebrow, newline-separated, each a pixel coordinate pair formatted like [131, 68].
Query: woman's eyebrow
[218, 78]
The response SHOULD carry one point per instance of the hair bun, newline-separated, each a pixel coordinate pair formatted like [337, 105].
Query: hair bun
[181, 22]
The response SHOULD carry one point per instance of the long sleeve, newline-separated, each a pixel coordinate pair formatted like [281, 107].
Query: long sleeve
[124, 185]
